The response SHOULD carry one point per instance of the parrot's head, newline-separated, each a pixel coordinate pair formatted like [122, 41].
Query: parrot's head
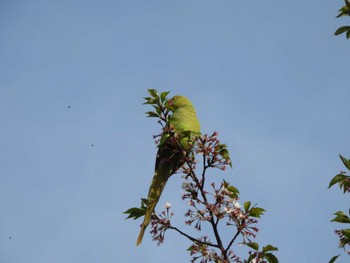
[177, 102]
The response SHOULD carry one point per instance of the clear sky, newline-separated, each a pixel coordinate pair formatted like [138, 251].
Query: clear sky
[269, 76]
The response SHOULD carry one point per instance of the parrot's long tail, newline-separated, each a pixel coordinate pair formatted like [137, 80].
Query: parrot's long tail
[161, 176]
[140, 237]
[146, 220]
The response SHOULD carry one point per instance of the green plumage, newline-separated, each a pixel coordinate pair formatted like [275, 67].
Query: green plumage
[169, 159]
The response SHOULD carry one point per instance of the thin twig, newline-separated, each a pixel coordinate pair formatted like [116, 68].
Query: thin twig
[233, 240]
[193, 239]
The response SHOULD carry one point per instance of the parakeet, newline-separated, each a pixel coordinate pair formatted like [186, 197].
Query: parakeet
[185, 124]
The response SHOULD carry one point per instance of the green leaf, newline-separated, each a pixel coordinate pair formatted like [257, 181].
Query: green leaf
[163, 95]
[336, 179]
[252, 245]
[347, 3]
[152, 114]
[225, 184]
[343, 242]
[153, 93]
[341, 217]
[224, 153]
[158, 110]
[256, 212]
[344, 11]
[340, 15]
[339, 31]
[135, 212]
[233, 189]
[271, 258]
[345, 161]
[190, 248]
[269, 248]
[346, 232]
[246, 206]
[333, 259]
[222, 150]
[342, 179]
[348, 34]
[150, 101]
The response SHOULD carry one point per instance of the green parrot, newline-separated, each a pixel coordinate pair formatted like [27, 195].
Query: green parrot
[185, 124]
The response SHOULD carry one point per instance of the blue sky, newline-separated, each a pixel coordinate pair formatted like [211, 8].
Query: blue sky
[269, 76]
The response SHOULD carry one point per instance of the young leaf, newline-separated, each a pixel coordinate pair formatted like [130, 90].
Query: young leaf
[246, 206]
[152, 114]
[269, 248]
[336, 179]
[346, 232]
[252, 245]
[149, 100]
[153, 93]
[345, 161]
[271, 258]
[256, 212]
[135, 212]
[234, 191]
[333, 259]
[190, 248]
[163, 95]
[341, 217]
[158, 109]
[222, 150]
[347, 3]
[339, 31]
[344, 11]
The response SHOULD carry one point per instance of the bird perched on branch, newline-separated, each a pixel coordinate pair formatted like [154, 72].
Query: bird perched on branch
[174, 145]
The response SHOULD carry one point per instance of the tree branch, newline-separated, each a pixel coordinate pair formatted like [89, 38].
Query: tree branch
[233, 240]
[192, 238]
